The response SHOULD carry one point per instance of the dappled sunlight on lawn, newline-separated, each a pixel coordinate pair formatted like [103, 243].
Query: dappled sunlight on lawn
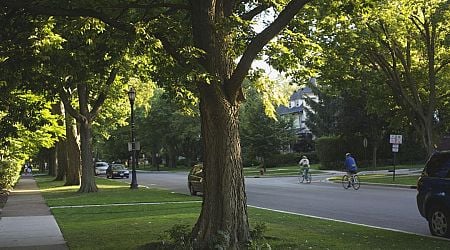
[60, 189]
[104, 186]
[75, 188]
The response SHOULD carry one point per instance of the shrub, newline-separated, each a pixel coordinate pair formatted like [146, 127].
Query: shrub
[329, 152]
[9, 174]
[177, 237]
[281, 159]
[257, 237]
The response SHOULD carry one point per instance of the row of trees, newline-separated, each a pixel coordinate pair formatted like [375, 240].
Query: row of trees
[391, 56]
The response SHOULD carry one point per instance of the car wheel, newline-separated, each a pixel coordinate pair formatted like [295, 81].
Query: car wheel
[438, 221]
[191, 189]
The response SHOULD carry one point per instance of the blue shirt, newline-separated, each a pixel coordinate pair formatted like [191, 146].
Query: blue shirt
[350, 163]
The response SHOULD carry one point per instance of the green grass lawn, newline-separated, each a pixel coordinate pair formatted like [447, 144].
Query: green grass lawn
[409, 180]
[138, 226]
[249, 171]
[279, 171]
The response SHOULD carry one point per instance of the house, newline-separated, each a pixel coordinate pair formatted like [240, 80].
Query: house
[296, 109]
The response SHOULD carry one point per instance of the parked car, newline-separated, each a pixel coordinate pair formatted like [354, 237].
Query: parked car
[100, 167]
[195, 179]
[433, 197]
[117, 170]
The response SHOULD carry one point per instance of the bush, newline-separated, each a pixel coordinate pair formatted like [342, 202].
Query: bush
[177, 237]
[290, 159]
[329, 152]
[281, 159]
[9, 174]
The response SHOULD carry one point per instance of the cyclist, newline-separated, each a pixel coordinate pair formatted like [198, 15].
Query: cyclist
[304, 164]
[350, 166]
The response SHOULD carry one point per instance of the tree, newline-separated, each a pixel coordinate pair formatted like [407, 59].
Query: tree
[172, 127]
[215, 27]
[261, 134]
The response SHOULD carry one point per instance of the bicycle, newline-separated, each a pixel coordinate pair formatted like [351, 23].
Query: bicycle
[353, 181]
[305, 176]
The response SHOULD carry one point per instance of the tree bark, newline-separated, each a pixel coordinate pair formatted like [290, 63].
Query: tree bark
[61, 158]
[223, 220]
[61, 149]
[73, 153]
[52, 161]
[172, 156]
[87, 164]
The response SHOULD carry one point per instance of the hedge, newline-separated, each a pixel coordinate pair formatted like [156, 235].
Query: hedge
[9, 174]
[282, 159]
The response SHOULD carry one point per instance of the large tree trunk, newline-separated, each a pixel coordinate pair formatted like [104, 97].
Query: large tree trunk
[223, 220]
[52, 161]
[61, 148]
[172, 156]
[155, 162]
[87, 164]
[61, 158]
[73, 153]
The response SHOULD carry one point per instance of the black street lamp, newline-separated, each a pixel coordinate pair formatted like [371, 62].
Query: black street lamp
[132, 97]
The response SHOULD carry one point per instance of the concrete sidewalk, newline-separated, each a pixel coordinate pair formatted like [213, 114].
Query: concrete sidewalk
[26, 221]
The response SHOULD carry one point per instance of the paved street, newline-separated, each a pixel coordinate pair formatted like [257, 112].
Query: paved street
[386, 207]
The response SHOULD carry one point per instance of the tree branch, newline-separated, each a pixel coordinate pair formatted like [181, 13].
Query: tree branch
[254, 12]
[442, 65]
[171, 50]
[36, 9]
[233, 85]
[103, 94]
[65, 98]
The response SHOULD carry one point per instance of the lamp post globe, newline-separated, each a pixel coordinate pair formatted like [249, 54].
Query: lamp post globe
[132, 97]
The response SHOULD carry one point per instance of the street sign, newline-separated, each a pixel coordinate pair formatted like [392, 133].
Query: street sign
[395, 139]
[136, 144]
[395, 148]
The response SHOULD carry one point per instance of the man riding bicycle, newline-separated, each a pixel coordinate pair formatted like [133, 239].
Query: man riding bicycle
[304, 164]
[350, 165]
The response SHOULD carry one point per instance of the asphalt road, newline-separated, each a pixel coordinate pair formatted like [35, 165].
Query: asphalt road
[386, 207]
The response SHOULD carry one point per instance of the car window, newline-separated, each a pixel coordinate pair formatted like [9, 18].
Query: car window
[101, 164]
[118, 167]
[439, 166]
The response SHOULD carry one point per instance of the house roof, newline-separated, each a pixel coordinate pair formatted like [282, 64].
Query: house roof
[300, 93]
[283, 110]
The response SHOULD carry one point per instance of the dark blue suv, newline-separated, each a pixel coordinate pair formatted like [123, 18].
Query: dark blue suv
[433, 197]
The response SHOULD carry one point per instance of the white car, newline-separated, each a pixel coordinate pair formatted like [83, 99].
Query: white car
[100, 168]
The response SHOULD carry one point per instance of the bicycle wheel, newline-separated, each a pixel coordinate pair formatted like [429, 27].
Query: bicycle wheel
[308, 178]
[355, 182]
[301, 178]
[345, 182]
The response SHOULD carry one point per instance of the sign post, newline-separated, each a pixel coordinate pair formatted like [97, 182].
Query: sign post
[395, 140]
[365, 151]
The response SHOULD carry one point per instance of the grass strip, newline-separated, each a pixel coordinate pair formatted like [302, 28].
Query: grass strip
[143, 226]
[408, 180]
